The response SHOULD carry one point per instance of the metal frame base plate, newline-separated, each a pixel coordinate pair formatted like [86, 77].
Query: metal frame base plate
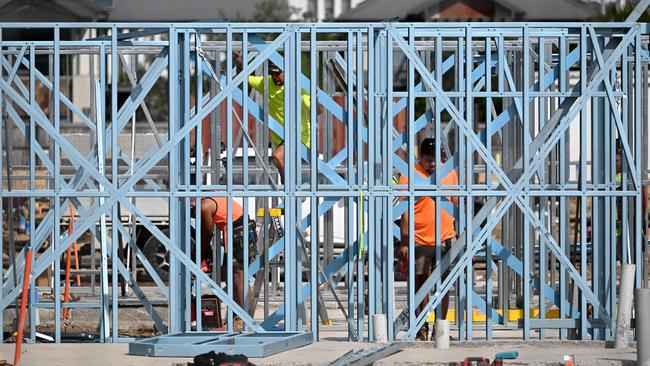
[196, 343]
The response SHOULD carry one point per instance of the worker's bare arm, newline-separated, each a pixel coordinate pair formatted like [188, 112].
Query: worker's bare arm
[402, 253]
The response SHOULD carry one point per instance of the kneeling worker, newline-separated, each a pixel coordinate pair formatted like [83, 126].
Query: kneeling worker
[214, 212]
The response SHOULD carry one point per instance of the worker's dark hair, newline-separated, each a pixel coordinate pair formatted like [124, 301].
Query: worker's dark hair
[428, 146]
[273, 67]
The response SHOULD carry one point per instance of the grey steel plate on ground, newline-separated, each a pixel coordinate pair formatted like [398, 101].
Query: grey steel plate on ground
[196, 343]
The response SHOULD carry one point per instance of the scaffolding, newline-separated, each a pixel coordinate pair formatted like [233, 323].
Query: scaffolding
[545, 125]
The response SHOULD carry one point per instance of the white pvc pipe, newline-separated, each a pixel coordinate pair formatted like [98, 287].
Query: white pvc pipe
[625, 304]
[642, 303]
[379, 327]
[441, 334]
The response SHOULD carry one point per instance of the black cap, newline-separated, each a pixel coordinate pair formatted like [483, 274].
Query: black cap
[273, 67]
[428, 146]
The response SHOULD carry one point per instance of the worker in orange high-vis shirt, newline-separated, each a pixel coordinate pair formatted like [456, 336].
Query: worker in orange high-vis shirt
[214, 211]
[425, 228]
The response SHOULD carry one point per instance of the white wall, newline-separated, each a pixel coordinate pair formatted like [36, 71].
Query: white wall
[303, 5]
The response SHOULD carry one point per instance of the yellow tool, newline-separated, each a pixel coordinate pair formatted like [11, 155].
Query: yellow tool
[513, 314]
[273, 212]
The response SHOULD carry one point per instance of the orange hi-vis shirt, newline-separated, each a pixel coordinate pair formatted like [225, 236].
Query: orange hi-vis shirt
[425, 212]
[220, 218]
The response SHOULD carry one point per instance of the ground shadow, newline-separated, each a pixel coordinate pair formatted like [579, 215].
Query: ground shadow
[616, 361]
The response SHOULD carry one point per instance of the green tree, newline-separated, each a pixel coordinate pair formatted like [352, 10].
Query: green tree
[614, 14]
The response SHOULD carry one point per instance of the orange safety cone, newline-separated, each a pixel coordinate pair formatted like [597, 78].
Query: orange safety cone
[23, 306]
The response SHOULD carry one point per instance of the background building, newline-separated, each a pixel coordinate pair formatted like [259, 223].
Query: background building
[470, 10]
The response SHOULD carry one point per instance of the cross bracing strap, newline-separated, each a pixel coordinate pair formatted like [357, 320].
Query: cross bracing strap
[546, 137]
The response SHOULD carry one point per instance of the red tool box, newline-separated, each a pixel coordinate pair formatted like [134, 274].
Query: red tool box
[210, 313]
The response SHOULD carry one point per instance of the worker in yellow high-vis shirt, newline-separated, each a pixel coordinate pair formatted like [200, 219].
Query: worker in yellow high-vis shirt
[275, 85]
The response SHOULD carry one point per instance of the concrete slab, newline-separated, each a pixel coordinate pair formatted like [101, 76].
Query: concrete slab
[418, 353]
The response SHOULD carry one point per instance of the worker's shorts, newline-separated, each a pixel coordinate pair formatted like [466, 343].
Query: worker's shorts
[238, 241]
[425, 257]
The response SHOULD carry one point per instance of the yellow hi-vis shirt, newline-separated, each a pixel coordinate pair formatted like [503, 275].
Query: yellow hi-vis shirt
[276, 107]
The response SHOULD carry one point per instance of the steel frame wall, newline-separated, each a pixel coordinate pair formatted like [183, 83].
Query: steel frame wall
[533, 82]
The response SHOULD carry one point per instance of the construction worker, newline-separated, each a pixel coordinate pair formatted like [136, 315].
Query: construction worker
[425, 229]
[214, 212]
[275, 85]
